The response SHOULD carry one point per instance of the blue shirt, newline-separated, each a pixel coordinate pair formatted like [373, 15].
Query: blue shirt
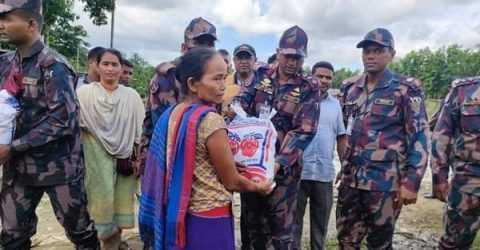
[318, 157]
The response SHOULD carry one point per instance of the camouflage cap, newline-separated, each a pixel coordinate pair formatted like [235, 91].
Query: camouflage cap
[379, 36]
[244, 48]
[199, 27]
[294, 41]
[33, 6]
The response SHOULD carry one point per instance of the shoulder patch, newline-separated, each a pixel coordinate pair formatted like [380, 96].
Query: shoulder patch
[351, 80]
[48, 57]
[415, 103]
[465, 81]
[410, 81]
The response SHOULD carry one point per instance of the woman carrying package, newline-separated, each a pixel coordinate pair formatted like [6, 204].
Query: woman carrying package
[190, 172]
[111, 117]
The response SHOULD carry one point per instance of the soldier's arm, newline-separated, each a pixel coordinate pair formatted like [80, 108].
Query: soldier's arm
[416, 127]
[247, 99]
[62, 115]
[305, 123]
[155, 106]
[441, 141]
[344, 119]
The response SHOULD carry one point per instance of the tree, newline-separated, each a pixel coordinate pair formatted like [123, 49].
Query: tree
[61, 32]
[437, 69]
[342, 74]
[142, 74]
[98, 10]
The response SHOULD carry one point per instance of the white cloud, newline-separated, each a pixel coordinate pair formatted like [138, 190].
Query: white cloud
[155, 28]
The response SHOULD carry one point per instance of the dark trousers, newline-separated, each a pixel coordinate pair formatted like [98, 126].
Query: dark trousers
[18, 203]
[243, 222]
[321, 200]
[270, 219]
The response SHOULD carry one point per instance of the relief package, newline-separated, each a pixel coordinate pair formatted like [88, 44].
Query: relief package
[252, 141]
[9, 108]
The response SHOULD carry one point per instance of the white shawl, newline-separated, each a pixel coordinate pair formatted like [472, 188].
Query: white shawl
[115, 119]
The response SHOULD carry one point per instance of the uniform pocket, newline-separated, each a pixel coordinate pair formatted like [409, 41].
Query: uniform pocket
[470, 118]
[381, 163]
[389, 111]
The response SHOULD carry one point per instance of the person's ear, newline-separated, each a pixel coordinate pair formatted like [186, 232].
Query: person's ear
[33, 25]
[183, 48]
[393, 52]
[191, 85]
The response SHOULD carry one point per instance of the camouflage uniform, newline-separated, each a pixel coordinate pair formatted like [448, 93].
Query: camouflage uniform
[164, 89]
[387, 133]
[297, 102]
[46, 154]
[457, 134]
[434, 119]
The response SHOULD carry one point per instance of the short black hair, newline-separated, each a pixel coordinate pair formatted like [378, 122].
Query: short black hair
[224, 52]
[111, 51]
[272, 59]
[127, 63]
[322, 64]
[192, 65]
[93, 53]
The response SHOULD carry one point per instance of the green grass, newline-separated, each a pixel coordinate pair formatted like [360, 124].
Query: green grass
[432, 106]
[476, 243]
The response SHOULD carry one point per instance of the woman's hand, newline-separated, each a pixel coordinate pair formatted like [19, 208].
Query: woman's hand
[265, 188]
[138, 168]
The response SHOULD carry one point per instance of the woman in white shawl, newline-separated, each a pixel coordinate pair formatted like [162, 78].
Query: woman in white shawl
[111, 117]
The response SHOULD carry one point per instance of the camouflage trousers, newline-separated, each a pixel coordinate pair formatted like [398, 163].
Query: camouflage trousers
[461, 220]
[270, 219]
[363, 213]
[18, 203]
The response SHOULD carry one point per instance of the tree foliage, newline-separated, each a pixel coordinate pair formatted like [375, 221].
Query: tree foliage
[98, 9]
[142, 74]
[61, 32]
[438, 68]
[342, 74]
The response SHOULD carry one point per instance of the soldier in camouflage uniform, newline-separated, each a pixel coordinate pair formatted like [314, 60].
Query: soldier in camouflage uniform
[296, 98]
[432, 123]
[45, 155]
[164, 89]
[455, 142]
[387, 147]
[434, 119]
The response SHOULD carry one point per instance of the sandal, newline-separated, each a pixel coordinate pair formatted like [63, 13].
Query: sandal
[124, 246]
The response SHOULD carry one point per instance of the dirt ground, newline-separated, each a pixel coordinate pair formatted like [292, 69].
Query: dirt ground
[419, 226]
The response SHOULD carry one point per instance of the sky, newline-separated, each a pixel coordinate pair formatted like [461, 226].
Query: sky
[154, 28]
